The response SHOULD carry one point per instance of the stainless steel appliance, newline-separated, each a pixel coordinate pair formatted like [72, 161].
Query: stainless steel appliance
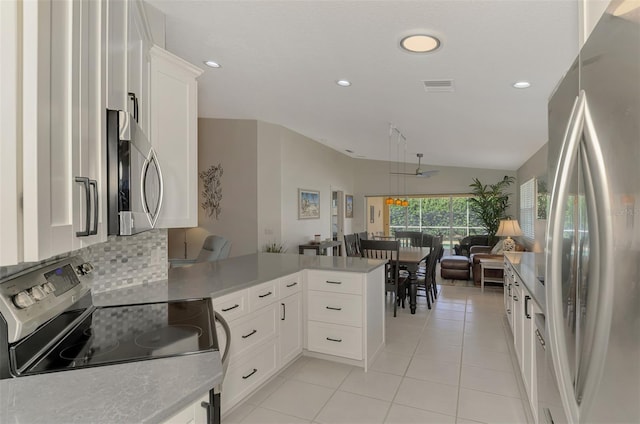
[593, 231]
[134, 177]
[49, 323]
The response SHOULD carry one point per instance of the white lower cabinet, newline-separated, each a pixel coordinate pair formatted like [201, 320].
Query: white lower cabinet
[345, 314]
[266, 334]
[192, 414]
[521, 309]
[247, 373]
[335, 339]
[290, 328]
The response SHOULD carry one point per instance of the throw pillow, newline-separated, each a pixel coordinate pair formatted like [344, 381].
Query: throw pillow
[497, 249]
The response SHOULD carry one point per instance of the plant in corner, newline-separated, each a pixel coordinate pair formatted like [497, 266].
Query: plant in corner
[274, 248]
[490, 203]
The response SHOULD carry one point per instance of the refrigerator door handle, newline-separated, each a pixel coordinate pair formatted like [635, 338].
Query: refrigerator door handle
[553, 289]
[600, 263]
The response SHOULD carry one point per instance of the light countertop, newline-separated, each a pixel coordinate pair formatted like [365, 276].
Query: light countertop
[530, 267]
[153, 390]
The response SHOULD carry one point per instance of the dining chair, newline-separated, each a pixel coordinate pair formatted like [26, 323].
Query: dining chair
[389, 250]
[214, 248]
[351, 245]
[409, 238]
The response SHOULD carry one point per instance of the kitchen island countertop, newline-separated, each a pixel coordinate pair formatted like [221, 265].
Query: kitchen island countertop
[153, 390]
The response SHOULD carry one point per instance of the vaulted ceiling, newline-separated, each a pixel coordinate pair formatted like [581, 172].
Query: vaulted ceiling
[280, 61]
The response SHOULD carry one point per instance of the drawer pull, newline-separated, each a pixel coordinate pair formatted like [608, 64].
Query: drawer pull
[250, 334]
[265, 295]
[333, 309]
[255, 370]
[334, 282]
[230, 308]
[334, 340]
[515, 297]
[292, 284]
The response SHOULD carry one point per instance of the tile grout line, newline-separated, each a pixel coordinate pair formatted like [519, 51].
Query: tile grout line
[464, 325]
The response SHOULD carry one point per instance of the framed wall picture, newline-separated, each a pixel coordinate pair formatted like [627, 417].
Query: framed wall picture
[308, 204]
[348, 206]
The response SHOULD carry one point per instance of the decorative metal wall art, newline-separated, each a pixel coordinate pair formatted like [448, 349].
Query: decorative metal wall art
[212, 190]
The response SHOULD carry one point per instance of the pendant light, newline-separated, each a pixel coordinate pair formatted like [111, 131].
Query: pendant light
[389, 200]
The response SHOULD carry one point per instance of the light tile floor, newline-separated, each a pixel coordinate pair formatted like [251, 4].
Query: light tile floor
[450, 364]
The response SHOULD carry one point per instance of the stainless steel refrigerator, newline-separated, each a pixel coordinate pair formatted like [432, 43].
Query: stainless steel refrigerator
[593, 229]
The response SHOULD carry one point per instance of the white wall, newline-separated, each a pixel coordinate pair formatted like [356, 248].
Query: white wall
[232, 143]
[311, 165]
[534, 167]
[269, 184]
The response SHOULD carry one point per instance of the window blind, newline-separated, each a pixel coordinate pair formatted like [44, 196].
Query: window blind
[527, 208]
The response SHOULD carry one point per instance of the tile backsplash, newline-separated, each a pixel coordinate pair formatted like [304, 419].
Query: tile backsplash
[120, 261]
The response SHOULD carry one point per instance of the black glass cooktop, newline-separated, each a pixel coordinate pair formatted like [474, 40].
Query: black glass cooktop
[128, 333]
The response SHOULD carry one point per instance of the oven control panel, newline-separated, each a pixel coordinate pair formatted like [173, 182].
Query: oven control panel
[32, 297]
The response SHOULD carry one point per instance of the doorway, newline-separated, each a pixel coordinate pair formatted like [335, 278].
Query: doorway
[337, 215]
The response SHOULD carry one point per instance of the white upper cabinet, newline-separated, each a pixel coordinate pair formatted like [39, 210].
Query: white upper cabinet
[139, 43]
[62, 127]
[10, 166]
[174, 135]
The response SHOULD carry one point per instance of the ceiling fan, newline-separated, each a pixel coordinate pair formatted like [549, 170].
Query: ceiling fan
[419, 172]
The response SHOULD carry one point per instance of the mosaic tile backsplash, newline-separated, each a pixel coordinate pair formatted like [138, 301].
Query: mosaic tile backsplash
[120, 261]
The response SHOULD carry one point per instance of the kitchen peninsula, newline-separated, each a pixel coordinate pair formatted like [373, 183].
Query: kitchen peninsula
[155, 390]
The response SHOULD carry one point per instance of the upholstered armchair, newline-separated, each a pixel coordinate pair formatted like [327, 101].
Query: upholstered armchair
[214, 248]
[463, 249]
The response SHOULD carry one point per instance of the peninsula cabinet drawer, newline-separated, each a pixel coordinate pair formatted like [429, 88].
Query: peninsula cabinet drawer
[332, 339]
[338, 282]
[290, 284]
[247, 374]
[336, 308]
[252, 330]
[263, 294]
[233, 305]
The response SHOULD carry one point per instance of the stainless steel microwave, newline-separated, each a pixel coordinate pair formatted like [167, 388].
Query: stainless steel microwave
[134, 177]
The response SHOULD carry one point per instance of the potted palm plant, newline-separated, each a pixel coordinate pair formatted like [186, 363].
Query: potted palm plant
[490, 203]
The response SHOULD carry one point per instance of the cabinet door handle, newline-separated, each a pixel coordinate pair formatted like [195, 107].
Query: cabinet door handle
[526, 306]
[265, 295]
[230, 308]
[284, 312]
[333, 308]
[87, 196]
[94, 230]
[334, 340]
[515, 297]
[255, 370]
[134, 99]
[334, 282]
[250, 334]
[292, 284]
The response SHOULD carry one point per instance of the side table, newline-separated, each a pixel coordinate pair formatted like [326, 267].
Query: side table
[490, 264]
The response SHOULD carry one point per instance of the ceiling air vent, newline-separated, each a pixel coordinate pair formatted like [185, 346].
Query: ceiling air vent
[438, 86]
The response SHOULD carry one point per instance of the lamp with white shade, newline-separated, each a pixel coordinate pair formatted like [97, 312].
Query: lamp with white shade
[508, 228]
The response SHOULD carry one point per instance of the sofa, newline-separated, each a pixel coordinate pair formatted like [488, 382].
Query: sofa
[464, 248]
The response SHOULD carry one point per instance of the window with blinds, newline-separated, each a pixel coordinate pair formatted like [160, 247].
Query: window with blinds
[528, 208]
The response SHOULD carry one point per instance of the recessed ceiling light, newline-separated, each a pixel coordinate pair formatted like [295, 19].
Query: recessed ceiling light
[211, 64]
[343, 83]
[522, 84]
[420, 43]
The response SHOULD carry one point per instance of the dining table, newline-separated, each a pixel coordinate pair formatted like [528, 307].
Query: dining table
[410, 258]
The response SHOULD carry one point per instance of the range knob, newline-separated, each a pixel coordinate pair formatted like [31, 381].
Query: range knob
[38, 293]
[23, 300]
[85, 268]
[48, 287]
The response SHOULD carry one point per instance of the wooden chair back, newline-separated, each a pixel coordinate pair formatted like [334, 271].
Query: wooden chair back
[388, 250]
[351, 245]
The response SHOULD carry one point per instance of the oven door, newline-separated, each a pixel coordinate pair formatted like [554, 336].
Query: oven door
[135, 182]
